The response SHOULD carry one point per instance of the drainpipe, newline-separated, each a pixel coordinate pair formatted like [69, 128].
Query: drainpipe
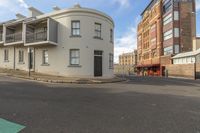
[34, 58]
[29, 64]
[195, 68]
[14, 59]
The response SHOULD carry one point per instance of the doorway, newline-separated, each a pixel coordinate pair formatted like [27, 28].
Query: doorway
[98, 62]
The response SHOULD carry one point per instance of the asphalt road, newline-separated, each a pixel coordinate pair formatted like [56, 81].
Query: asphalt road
[140, 105]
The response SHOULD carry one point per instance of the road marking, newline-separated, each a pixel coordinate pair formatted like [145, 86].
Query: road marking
[10, 127]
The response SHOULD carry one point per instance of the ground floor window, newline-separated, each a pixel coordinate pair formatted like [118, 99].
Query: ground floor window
[21, 56]
[45, 57]
[110, 60]
[6, 55]
[74, 57]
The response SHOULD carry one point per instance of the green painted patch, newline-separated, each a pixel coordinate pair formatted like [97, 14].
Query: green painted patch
[9, 127]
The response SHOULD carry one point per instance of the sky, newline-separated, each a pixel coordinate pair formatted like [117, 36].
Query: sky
[126, 14]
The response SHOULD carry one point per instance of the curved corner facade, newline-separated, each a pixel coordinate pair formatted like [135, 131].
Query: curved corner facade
[76, 42]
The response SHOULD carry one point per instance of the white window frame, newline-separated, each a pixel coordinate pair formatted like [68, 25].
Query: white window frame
[75, 28]
[45, 57]
[21, 56]
[98, 30]
[111, 57]
[74, 58]
[6, 55]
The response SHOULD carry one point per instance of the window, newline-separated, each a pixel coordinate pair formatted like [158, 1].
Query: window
[167, 6]
[97, 30]
[176, 49]
[75, 28]
[21, 56]
[176, 32]
[168, 35]
[45, 57]
[176, 15]
[6, 55]
[168, 50]
[167, 19]
[110, 61]
[111, 35]
[74, 57]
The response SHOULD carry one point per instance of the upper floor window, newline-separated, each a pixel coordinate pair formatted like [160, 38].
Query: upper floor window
[176, 15]
[45, 57]
[74, 57]
[21, 56]
[111, 35]
[168, 50]
[167, 19]
[97, 30]
[167, 6]
[75, 28]
[168, 35]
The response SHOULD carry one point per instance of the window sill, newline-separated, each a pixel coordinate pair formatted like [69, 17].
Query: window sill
[75, 36]
[6, 61]
[45, 65]
[74, 66]
[95, 37]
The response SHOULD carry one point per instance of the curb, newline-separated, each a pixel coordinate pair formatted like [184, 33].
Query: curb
[63, 81]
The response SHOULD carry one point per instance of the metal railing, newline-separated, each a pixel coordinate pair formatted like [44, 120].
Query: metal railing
[36, 37]
[14, 37]
[1, 37]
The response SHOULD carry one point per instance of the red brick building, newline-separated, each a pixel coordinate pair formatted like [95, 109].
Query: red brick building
[167, 28]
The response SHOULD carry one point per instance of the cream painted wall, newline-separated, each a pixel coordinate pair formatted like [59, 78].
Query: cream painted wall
[59, 55]
[10, 63]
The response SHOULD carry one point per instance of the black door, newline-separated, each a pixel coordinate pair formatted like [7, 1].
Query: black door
[98, 63]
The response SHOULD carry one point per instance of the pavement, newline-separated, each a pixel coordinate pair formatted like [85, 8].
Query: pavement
[139, 105]
[56, 79]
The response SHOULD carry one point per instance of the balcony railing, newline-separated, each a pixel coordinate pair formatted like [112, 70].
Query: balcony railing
[36, 37]
[1, 37]
[14, 37]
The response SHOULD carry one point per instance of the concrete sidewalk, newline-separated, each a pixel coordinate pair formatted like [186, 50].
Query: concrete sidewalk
[55, 79]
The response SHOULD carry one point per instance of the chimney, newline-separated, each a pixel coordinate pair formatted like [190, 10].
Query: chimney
[20, 16]
[33, 12]
[56, 8]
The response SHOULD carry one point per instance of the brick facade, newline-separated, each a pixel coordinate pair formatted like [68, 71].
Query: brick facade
[184, 70]
[155, 44]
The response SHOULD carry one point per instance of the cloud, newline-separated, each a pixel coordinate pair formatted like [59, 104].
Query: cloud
[22, 3]
[11, 7]
[127, 42]
[122, 3]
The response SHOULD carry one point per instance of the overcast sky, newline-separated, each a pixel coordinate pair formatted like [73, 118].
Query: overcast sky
[126, 14]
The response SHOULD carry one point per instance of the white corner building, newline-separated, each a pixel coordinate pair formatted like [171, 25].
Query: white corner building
[75, 42]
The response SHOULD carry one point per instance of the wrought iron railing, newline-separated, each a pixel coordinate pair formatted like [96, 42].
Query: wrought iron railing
[14, 37]
[36, 37]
